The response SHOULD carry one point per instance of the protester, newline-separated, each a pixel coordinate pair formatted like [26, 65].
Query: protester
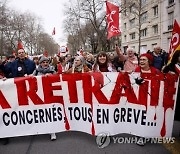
[44, 68]
[79, 66]
[69, 61]
[118, 63]
[2, 77]
[61, 66]
[160, 57]
[22, 66]
[1, 69]
[111, 57]
[7, 71]
[102, 64]
[174, 68]
[130, 61]
[36, 61]
[90, 59]
[145, 64]
[85, 55]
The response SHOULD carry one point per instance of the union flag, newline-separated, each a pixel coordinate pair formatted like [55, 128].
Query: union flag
[112, 17]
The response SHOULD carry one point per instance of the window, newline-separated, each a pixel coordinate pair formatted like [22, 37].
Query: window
[132, 36]
[143, 2]
[171, 20]
[125, 38]
[125, 12]
[170, 2]
[155, 29]
[132, 23]
[143, 17]
[124, 25]
[155, 11]
[143, 32]
[131, 8]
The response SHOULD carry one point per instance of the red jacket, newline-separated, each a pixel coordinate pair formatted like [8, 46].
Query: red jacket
[153, 70]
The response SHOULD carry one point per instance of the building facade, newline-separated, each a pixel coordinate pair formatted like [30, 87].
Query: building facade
[147, 23]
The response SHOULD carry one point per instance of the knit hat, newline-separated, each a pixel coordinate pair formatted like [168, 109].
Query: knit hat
[149, 57]
[43, 59]
[82, 59]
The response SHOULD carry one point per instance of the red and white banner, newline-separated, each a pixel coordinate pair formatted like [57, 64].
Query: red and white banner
[112, 16]
[89, 102]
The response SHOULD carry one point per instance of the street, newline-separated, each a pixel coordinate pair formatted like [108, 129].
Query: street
[82, 143]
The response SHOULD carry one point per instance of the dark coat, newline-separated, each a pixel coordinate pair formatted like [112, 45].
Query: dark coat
[13, 67]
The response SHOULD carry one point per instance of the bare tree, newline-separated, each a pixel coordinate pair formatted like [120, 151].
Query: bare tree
[3, 23]
[134, 10]
[91, 14]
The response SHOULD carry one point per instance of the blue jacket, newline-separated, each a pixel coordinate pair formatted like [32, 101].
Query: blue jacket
[13, 67]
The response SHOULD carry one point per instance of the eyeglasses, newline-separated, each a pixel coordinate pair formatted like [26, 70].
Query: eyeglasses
[143, 60]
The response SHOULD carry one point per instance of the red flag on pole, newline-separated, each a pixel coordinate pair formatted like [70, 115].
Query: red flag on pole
[14, 53]
[20, 46]
[112, 17]
[54, 31]
[175, 40]
[45, 54]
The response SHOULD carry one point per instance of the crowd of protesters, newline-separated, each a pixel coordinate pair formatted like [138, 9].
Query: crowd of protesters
[150, 62]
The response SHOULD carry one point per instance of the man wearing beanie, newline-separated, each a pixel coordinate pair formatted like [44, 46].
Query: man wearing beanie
[44, 68]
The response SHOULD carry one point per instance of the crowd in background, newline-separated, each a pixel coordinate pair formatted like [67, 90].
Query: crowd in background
[149, 62]
[21, 65]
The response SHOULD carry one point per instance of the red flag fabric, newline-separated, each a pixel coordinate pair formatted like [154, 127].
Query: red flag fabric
[112, 17]
[14, 53]
[81, 52]
[20, 46]
[175, 40]
[54, 31]
[45, 53]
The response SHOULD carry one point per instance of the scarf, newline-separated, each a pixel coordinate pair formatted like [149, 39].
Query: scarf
[45, 70]
[79, 69]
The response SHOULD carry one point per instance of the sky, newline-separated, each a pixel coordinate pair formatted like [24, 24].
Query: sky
[50, 11]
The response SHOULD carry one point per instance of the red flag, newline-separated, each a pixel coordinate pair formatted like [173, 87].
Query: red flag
[20, 46]
[14, 53]
[112, 17]
[175, 40]
[81, 52]
[45, 53]
[54, 31]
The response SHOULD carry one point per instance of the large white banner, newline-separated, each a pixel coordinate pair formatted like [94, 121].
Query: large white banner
[139, 104]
